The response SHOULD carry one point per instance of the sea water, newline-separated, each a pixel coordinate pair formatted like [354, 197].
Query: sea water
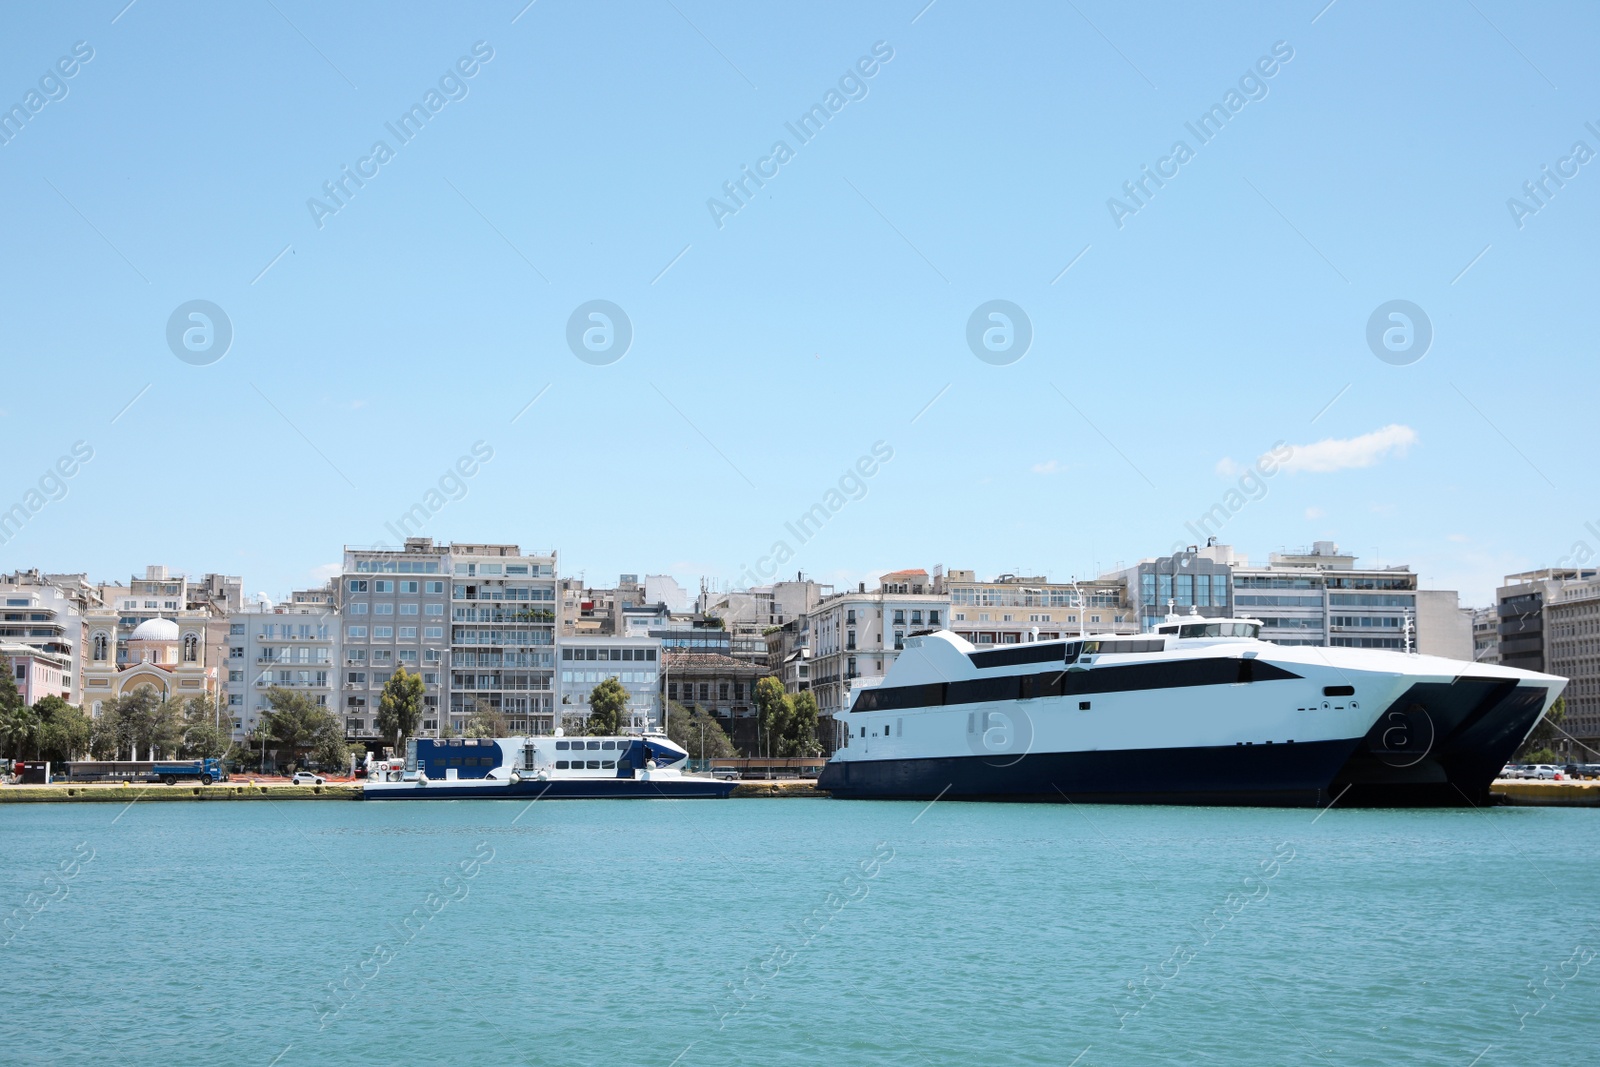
[795, 931]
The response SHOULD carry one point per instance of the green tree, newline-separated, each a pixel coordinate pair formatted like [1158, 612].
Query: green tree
[607, 703]
[63, 729]
[10, 697]
[1540, 744]
[299, 724]
[136, 724]
[207, 730]
[487, 721]
[800, 738]
[697, 732]
[19, 731]
[332, 750]
[774, 710]
[400, 707]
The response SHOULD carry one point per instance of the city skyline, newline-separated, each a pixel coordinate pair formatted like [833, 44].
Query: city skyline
[1174, 314]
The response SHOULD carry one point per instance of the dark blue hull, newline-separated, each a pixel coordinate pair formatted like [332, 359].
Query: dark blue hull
[559, 789]
[1281, 775]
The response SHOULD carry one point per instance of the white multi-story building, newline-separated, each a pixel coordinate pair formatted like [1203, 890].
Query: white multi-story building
[393, 610]
[294, 645]
[634, 661]
[46, 617]
[1315, 597]
[503, 636]
[855, 636]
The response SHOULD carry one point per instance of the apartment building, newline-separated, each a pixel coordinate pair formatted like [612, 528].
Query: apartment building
[503, 635]
[1009, 609]
[37, 673]
[749, 613]
[47, 618]
[1572, 650]
[855, 636]
[294, 645]
[393, 612]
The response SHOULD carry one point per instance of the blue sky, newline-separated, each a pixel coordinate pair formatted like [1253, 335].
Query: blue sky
[769, 353]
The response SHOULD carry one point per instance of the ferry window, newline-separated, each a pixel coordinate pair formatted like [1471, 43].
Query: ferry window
[1166, 629]
[1083, 705]
[608, 764]
[561, 746]
[594, 746]
[1338, 690]
[863, 731]
[594, 765]
[561, 765]
[608, 744]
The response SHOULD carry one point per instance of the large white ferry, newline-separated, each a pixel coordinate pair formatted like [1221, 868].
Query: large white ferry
[554, 768]
[1201, 711]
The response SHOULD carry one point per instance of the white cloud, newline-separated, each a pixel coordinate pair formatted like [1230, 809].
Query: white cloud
[1047, 467]
[1227, 468]
[1459, 539]
[1334, 454]
[1315, 513]
[323, 571]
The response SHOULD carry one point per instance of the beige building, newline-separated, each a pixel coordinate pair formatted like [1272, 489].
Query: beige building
[169, 655]
[1007, 610]
[856, 636]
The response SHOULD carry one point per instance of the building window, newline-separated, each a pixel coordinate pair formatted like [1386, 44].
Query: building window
[850, 640]
[191, 648]
[705, 692]
[738, 687]
[672, 690]
[722, 692]
[899, 639]
[100, 647]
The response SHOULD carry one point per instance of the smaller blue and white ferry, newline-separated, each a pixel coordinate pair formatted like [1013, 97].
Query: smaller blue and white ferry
[531, 768]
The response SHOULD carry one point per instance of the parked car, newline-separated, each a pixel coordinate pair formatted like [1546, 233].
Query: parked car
[1545, 771]
[306, 778]
[725, 774]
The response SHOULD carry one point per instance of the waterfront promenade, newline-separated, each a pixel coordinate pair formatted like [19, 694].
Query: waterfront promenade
[282, 790]
[1516, 793]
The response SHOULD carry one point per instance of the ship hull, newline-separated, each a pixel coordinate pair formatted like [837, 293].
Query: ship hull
[554, 789]
[1292, 775]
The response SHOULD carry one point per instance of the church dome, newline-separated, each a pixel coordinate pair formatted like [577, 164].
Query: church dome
[155, 630]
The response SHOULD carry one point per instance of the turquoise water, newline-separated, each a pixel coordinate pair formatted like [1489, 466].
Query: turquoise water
[796, 931]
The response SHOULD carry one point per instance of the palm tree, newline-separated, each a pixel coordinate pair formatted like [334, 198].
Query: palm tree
[19, 731]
